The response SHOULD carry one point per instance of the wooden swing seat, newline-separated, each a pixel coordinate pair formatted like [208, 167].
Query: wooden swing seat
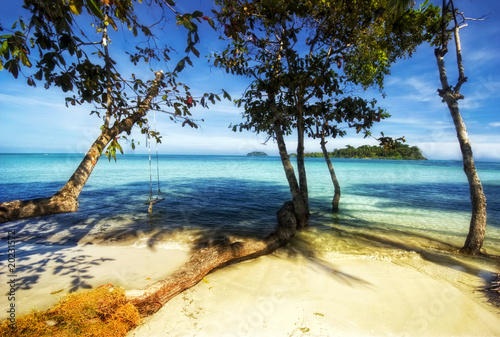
[153, 201]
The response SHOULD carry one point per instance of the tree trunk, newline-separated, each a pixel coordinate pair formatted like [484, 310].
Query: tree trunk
[300, 206]
[477, 226]
[66, 199]
[218, 255]
[336, 185]
[301, 167]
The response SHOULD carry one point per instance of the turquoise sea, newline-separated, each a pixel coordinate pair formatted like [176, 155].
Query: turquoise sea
[238, 195]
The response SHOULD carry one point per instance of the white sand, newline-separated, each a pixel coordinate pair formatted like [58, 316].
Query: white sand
[46, 274]
[273, 295]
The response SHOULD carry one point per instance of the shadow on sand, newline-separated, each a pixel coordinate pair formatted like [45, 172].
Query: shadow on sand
[201, 212]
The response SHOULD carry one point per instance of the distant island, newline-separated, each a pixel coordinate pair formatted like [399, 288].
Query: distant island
[400, 152]
[257, 154]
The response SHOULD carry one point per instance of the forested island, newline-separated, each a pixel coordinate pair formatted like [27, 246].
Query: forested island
[399, 152]
[257, 154]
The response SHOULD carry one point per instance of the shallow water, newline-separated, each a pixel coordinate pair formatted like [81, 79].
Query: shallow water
[240, 195]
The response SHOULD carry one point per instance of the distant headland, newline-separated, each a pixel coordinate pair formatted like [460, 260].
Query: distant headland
[400, 152]
[257, 154]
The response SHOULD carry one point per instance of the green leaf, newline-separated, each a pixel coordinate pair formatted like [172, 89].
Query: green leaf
[226, 95]
[4, 48]
[119, 147]
[23, 25]
[211, 23]
[75, 6]
[197, 14]
[195, 51]
[170, 2]
[12, 66]
[25, 60]
[180, 65]
[94, 8]
[112, 23]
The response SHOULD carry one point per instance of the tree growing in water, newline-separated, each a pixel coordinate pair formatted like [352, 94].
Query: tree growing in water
[451, 95]
[357, 113]
[298, 53]
[57, 40]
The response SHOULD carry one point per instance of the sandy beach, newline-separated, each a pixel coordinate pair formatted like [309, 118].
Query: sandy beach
[288, 293]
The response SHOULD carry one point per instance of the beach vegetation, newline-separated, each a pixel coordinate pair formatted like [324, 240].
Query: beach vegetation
[103, 311]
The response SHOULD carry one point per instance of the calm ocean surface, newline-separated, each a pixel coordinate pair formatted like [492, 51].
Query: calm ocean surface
[240, 195]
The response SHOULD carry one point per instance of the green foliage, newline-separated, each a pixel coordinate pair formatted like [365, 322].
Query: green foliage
[302, 54]
[257, 154]
[398, 152]
[58, 46]
[329, 120]
[388, 38]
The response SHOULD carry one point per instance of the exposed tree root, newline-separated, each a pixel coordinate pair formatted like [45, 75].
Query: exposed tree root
[492, 291]
[205, 260]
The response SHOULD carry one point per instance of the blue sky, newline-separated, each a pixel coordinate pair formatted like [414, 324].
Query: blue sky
[37, 120]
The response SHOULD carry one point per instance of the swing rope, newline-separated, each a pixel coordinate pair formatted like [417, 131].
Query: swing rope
[159, 195]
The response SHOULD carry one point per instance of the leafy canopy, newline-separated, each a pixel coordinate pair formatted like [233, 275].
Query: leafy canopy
[67, 44]
[302, 56]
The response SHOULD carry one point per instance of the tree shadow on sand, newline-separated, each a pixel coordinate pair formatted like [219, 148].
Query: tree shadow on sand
[200, 213]
[387, 240]
[197, 212]
[58, 263]
[41, 246]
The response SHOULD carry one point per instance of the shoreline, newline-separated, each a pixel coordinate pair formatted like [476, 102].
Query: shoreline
[457, 160]
[289, 293]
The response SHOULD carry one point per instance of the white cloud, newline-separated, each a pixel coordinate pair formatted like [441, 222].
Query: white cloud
[495, 124]
[449, 150]
[36, 101]
[422, 85]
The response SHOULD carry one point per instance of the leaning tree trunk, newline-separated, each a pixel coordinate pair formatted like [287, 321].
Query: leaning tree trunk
[336, 185]
[451, 96]
[66, 199]
[220, 254]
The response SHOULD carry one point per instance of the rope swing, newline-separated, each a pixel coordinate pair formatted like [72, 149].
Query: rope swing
[159, 196]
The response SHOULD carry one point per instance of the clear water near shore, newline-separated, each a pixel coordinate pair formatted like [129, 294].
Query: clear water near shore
[385, 204]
